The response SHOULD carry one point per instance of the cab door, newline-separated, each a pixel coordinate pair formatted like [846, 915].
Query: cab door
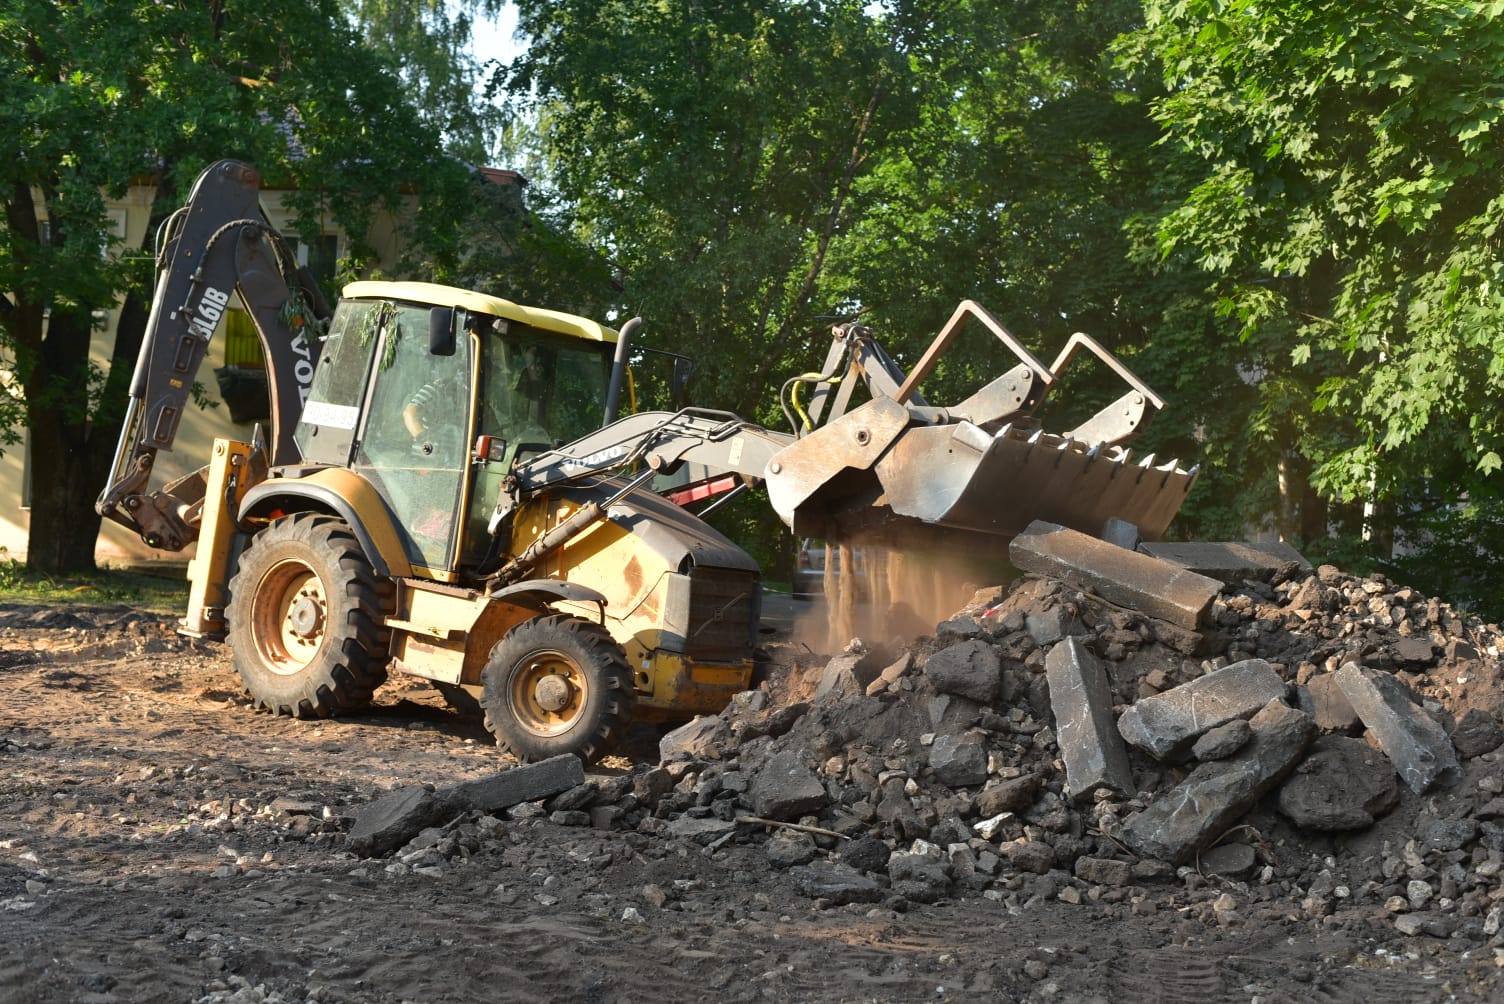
[418, 467]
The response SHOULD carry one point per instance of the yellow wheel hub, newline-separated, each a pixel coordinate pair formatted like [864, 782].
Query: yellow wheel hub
[289, 614]
[548, 693]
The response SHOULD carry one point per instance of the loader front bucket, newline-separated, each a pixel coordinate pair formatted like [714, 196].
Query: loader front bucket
[960, 477]
[890, 464]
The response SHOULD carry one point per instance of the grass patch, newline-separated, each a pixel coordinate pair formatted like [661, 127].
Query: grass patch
[165, 592]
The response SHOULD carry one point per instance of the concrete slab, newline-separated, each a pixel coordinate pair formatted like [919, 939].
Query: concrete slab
[1168, 724]
[1228, 561]
[1215, 794]
[1419, 747]
[1081, 700]
[1138, 581]
[523, 783]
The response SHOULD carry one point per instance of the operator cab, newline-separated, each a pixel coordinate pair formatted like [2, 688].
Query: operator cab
[434, 422]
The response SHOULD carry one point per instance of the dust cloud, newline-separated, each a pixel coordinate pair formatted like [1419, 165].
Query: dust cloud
[879, 590]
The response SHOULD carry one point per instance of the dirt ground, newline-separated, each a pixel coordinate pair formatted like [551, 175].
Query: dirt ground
[161, 842]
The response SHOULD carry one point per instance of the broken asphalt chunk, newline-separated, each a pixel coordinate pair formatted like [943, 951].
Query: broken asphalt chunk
[395, 818]
[1166, 725]
[526, 782]
[1344, 784]
[1081, 701]
[1419, 748]
[786, 789]
[959, 761]
[969, 669]
[1138, 581]
[392, 820]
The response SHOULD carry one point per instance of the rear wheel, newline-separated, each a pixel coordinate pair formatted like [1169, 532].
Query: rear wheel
[557, 684]
[305, 618]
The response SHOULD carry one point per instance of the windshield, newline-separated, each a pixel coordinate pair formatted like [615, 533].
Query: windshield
[541, 388]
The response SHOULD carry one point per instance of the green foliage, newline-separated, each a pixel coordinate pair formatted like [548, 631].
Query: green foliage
[427, 45]
[1348, 206]
[97, 98]
[714, 155]
[1456, 551]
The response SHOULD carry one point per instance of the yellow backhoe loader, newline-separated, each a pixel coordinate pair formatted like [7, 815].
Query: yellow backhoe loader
[445, 489]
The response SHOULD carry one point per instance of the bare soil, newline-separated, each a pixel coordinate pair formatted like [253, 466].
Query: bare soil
[162, 842]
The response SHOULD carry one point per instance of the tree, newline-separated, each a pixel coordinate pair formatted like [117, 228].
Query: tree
[713, 155]
[427, 45]
[98, 95]
[761, 169]
[1348, 206]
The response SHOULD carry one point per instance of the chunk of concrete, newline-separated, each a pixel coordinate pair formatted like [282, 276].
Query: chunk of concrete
[1081, 701]
[958, 761]
[837, 884]
[1233, 860]
[1215, 794]
[392, 820]
[1121, 532]
[1132, 579]
[1419, 748]
[700, 831]
[1343, 784]
[1166, 725]
[1223, 741]
[969, 669]
[950, 714]
[1104, 871]
[526, 782]
[1413, 653]
[786, 788]
[1323, 699]
[1228, 561]
[847, 675]
[1047, 627]
[1014, 795]
[1033, 856]
[1477, 733]
[702, 738]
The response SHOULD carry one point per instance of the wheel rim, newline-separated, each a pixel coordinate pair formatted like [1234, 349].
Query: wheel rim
[548, 692]
[288, 617]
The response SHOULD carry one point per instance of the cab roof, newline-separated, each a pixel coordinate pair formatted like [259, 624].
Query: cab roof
[438, 295]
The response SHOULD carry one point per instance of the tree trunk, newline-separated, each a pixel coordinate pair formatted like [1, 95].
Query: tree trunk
[64, 453]
[72, 450]
[1313, 513]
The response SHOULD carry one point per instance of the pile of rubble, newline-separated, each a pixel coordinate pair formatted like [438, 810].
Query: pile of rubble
[1113, 727]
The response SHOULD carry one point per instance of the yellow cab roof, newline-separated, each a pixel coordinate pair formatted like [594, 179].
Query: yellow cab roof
[438, 295]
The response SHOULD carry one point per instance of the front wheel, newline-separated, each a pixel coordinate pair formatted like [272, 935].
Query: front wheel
[305, 618]
[557, 684]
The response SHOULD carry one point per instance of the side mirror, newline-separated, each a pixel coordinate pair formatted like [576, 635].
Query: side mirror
[441, 339]
[679, 388]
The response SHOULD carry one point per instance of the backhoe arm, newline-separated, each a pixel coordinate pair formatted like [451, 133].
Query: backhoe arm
[217, 245]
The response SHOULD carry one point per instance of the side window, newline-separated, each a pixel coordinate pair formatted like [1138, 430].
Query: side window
[419, 399]
[326, 431]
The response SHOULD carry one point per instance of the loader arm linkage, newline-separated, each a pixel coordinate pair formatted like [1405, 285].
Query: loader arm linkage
[216, 245]
[982, 466]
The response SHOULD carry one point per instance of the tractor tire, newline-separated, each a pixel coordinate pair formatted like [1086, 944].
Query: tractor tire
[557, 684]
[305, 619]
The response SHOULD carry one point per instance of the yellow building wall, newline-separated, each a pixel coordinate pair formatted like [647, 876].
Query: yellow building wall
[196, 433]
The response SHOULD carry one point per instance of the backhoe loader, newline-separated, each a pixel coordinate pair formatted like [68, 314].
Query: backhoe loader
[446, 489]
